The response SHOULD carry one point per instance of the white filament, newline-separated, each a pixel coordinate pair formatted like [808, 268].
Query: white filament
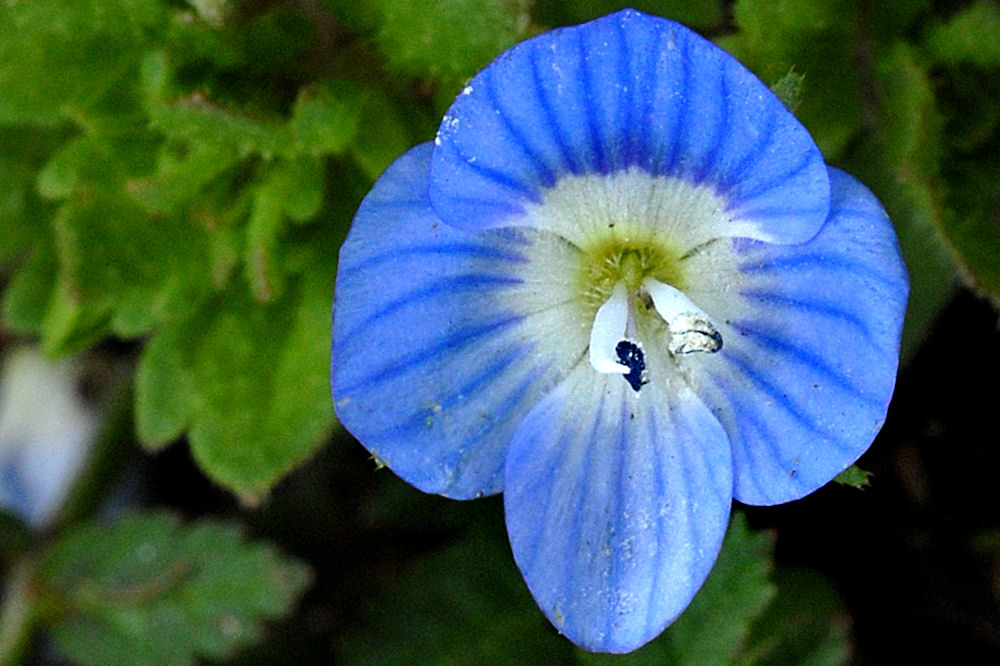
[608, 330]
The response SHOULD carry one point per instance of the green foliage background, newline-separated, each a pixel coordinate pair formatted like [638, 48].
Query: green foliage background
[180, 176]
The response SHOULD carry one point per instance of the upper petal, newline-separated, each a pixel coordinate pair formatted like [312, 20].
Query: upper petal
[626, 90]
[442, 340]
[616, 505]
[811, 347]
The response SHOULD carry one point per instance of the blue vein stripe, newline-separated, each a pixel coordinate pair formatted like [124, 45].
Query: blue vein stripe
[446, 285]
[587, 91]
[641, 150]
[681, 428]
[736, 173]
[423, 202]
[761, 187]
[783, 347]
[584, 489]
[776, 211]
[721, 136]
[533, 487]
[476, 382]
[680, 133]
[468, 250]
[819, 307]
[505, 208]
[825, 263]
[453, 343]
[859, 213]
[509, 405]
[548, 482]
[544, 171]
[747, 416]
[661, 525]
[550, 117]
[782, 399]
[627, 78]
[502, 179]
[624, 454]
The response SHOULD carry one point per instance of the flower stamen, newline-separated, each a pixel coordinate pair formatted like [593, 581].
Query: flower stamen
[608, 330]
[614, 344]
[691, 330]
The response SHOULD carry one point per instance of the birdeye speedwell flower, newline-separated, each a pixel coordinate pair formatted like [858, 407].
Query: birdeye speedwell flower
[622, 287]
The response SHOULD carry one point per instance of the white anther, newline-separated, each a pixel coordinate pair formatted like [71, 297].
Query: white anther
[691, 330]
[608, 330]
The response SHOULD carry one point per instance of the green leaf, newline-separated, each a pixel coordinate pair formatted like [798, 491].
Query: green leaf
[326, 116]
[324, 119]
[855, 477]
[70, 326]
[715, 627]
[288, 190]
[149, 590]
[196, 118]
[15, 538]
[756, 17]
[452, 42]
[805, 625]
[252, 384]
[79, 164]
[27, 296]
[22, 151]
[58, 57]
[973, 228]
[900, 162]
[889, 20]
[182, 173]
[165, 390]
[466, 604]
[702, 14]
[262, 247]
[816, 39]
[142, 269]
[382, 135]
[971, 36]
[361, 17]
[789, 89]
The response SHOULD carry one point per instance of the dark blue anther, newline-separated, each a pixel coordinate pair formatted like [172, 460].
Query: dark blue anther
[631, 356]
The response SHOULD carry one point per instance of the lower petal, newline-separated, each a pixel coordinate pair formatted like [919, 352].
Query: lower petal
[811, 349]
[443, 340]
[616, 505]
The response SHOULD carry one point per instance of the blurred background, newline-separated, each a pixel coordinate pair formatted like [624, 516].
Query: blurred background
[175, 181]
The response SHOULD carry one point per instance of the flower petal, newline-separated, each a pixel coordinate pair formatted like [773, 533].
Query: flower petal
[443, 340]
[626, 91]
[616, 505]
[811, 348]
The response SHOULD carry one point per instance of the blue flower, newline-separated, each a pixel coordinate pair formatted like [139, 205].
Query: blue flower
[622, 287]
[46, 435]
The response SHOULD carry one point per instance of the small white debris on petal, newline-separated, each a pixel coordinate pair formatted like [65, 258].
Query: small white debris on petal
[467, 90]
[691, 330]
[608, 330]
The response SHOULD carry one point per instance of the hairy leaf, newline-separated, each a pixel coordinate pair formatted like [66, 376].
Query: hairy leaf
[248, 380]
[971, 36]
[452, 42]
[58, 57]
[150, 590]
